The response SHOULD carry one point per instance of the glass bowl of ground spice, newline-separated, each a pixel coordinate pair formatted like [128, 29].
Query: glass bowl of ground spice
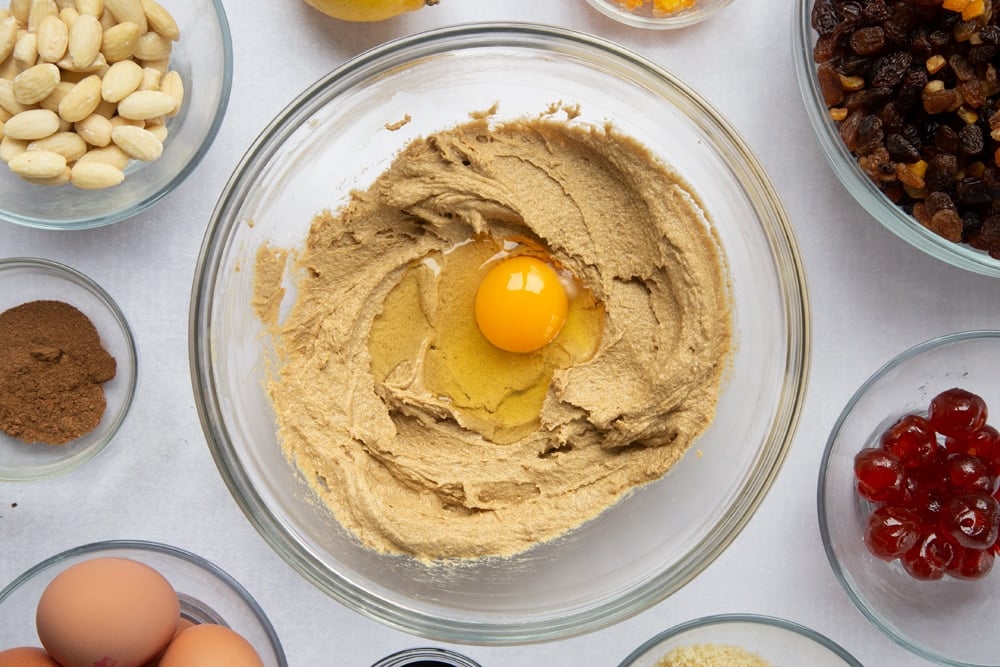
[68, 369]
[659, 14]
[739, 640]
[904, 98]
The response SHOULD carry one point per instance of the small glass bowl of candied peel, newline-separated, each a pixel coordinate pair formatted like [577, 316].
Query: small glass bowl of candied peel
[659, 14]
[909, 508]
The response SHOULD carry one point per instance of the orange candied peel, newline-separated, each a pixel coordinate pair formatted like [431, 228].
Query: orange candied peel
[969, 9]
[660, 7]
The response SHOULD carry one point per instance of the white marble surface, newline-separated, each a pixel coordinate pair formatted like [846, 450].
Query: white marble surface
[872, 296]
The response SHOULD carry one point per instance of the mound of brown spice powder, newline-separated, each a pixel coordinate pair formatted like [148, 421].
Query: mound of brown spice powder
[52, 368]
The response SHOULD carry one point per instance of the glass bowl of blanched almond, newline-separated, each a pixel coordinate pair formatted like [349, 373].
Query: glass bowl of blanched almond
[106, 105]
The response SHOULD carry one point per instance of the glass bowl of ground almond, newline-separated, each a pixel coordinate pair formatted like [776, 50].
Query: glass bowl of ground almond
[904, 99]
[499, 334]
[68, 372]
[659, 14]
[105, 111]
[739, 640]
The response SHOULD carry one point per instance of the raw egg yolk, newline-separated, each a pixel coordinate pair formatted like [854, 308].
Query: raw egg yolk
[521, 304]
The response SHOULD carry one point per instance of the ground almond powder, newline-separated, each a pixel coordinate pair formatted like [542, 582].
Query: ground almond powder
[712, 655]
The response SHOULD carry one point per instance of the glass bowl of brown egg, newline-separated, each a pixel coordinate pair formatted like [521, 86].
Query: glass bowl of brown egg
[133, 602]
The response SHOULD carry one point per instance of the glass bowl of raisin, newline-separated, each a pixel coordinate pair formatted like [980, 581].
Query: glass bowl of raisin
[904, 98]
[909, 506]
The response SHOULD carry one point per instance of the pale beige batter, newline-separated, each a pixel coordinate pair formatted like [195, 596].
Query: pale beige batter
[398, 465]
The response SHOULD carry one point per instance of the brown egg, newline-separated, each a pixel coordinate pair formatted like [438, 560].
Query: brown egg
[182, 625]
[26, 656]
[209, 645]
[107, 611]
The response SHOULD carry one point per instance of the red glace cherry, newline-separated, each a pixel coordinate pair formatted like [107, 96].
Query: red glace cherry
[956, 412]
[933, 482]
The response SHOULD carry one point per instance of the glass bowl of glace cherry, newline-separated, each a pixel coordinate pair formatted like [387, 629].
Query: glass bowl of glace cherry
[908, 499]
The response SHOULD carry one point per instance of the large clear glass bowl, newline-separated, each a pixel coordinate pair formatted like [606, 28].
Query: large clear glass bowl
[776, 640]
[855, 181]
[332, 138]
[949, 621]
[207, 593]
[203, 56]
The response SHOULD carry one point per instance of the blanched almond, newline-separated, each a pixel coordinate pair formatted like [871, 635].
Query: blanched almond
[3, 122]
[8, 37]
[137, 143]
[26, 50]
[82, 100]
[35, 83]
[85, 39]
[32, 124]
[37, 164]
[152, 46]
[92, 7]
[95, 129]
[11, 147]
[95, 175]
[53, 37]
[68, 16]
[40, 9]
[146, 104]
[160, 20]
[60, 179]
[20, 9]
[110, 154]
[150, 79]
[55, 97]
[159, 131]
[119, 41]
[128, 10]
[121, 80]
[8, 100]
[68, 144]
[173, 85]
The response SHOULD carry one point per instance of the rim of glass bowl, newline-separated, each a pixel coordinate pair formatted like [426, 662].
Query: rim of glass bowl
[721, 619]
[72, 275]
[844, 165]
[385, 58]
[417, 656]
[824, 528]
[682, 19]
[178, 178]
[159, 548]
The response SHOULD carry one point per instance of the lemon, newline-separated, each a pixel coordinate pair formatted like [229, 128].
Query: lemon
[367, 10]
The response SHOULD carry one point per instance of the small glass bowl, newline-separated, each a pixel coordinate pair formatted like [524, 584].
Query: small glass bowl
[777, 641]
[425, 657]
[24, 279]
[644, 17]
[207, 593]
[204, 58]
[950, 622]
[845, 166]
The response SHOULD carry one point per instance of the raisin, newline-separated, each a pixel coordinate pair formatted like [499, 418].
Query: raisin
[900, 149]
[946, 139]
[888, 71]
[824, 17]
[970, 140]
[973, 191]
[972, 93]
[868, 41]
[941, 170]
